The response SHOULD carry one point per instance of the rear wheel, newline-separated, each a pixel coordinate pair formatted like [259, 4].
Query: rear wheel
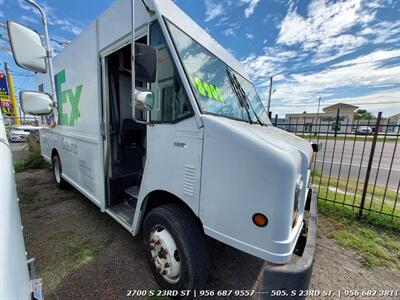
[176, 249]
[57, 171]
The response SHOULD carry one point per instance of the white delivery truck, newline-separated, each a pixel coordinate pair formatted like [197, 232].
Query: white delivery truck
[173, 141]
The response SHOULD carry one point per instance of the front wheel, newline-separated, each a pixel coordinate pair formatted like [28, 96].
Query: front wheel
[57, 171]
[176, 249]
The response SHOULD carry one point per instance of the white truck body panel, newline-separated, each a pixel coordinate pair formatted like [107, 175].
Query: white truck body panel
[224, 170]
[14, 275]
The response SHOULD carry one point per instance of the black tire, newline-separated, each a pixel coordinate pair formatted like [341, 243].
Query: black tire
[57, 168]
[190, 242]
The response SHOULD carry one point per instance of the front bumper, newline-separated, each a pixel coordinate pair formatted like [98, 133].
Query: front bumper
[291, 280]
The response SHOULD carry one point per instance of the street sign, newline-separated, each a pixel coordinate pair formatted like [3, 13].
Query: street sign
[5, 99]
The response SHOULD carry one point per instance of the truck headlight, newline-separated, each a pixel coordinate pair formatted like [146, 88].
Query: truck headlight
[296, 202]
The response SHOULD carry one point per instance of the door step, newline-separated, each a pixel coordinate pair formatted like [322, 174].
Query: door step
[125, 212]
[131, 195]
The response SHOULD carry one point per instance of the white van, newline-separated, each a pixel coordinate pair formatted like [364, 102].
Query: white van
[188, 152]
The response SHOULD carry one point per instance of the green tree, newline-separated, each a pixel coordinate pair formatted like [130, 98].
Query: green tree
[363, 114]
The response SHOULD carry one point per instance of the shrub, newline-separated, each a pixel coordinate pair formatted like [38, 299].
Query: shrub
[33, 161]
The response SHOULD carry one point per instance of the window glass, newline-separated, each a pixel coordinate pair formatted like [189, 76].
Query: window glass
[210, 81]
[171, 103]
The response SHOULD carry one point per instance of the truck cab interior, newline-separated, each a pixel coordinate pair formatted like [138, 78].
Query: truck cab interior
[126, 153]
[127, 139]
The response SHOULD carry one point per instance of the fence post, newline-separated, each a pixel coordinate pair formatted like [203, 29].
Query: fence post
[371, 158]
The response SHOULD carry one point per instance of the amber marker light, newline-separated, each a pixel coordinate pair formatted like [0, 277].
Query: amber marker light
[260, 220]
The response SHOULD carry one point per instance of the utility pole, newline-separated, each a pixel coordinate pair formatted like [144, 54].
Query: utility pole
[269, 94]
[12, 95]
[316, 122]
[337, 126]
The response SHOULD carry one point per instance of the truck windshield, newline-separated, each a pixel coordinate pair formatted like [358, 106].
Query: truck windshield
[209, 77]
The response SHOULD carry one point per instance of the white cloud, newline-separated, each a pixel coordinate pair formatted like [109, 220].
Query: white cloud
[365, 71]
[250, 9]
[1, 14]
[334, 47]
[213, 10]
[372, 71]
[229, 32]
[325, 29]
[271, 62]
[30, 19]
[222, 21]
[67, 25]
[249, 36]
[324, 20]
[383, 32]
[371, 58]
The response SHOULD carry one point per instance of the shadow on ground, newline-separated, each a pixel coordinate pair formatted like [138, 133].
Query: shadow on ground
[83, 253]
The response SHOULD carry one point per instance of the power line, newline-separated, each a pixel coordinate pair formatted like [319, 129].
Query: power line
[25, 75]
[358, 103]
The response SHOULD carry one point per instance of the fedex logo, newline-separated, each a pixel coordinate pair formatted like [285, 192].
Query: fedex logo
[64, 96]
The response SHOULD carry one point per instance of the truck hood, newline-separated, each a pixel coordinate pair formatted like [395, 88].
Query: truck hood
[275, 137]
[248, 168]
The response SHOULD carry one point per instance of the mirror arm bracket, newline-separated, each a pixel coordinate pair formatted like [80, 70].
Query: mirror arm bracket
[48, 51]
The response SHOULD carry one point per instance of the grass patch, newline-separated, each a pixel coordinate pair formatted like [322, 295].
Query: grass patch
[375, 239]
[33, 161]
[349, 215]
[81, 254]
[347, 192]
[74, 254]
[376, 248]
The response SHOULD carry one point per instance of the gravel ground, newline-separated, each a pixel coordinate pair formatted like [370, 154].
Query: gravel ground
[82, 253]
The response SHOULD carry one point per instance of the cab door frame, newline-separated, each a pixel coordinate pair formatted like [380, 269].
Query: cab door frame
[105, 105]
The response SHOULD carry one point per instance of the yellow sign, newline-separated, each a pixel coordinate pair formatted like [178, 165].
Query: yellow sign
[5, 99]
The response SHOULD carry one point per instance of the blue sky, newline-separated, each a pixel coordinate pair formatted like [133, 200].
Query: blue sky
[343, 51]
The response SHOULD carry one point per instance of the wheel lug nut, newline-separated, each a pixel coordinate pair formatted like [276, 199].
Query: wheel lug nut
[152, 241]
[157, 242]
[164, 272]
[151, 247]
[166, 265]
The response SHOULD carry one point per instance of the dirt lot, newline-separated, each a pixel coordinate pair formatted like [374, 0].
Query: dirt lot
[82, 253]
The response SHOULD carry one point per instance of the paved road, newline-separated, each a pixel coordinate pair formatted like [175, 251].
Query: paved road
[342, 158]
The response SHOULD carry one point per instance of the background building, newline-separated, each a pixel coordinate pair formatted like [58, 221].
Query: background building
[324, 121]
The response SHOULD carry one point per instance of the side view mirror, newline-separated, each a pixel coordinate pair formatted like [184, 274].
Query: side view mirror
[27, 47]
[145, 63]
[144, 100]
[316, 146]
[35, 103]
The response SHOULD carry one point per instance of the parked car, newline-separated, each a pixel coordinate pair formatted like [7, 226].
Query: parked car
[20, 133]
[17, 135]
[364, 130]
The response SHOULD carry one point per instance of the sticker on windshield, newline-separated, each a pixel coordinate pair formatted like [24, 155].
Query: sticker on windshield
[207, 89]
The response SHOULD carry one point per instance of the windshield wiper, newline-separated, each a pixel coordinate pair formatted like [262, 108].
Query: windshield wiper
[240, 93]
[237, 93]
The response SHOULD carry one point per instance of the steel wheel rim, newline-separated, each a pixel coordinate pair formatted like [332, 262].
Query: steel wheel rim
[57, 172]
[165, 254]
